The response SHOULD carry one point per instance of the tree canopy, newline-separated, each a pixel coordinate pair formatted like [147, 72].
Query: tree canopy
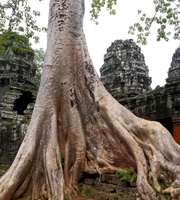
[18, 20]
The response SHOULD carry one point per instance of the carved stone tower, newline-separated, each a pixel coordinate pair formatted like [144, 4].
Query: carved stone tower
[125, 76]
[124, 72]
[174, 70]
[17, 93]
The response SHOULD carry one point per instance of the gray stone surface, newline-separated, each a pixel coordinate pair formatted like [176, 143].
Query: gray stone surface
[174, 70]
[17, 95]
[125, 76]
[107, 186]
[124, 72]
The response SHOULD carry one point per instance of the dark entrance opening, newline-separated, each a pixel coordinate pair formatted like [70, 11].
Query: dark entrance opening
[167, 123]
[21, 104]
[4, 82]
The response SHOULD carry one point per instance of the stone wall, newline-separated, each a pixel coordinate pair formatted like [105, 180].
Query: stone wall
[17, 95]
[107, 186]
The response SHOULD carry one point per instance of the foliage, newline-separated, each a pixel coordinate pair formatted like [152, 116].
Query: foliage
[122, 193]
[136, 131]
[126, 176]
[30, 198]
[88, 193]
[94, 187]
[150, 182]
[80, 187]
[166, 15]
[15, 41]
[39, 56]
[17, 19]
[97, 5]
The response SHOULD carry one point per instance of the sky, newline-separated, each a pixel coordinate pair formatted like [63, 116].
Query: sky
[158, 55]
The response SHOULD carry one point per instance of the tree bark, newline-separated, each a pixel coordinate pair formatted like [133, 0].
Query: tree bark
[76, 117]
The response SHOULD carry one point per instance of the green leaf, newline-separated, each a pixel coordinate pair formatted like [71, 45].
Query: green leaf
[164, 20]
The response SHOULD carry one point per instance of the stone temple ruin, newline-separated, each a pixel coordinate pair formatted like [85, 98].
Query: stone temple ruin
[124, 72]
[17, 95]
[125, 75]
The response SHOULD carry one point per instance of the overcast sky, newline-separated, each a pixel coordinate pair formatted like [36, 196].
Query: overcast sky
[158, 55]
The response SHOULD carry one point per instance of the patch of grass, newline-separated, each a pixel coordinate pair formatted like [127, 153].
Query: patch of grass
[122, 193]
[126, 176]
[80, 187]
[150, 182]
[30, 198]
[25, 195]
[94, 187]
[88, 193]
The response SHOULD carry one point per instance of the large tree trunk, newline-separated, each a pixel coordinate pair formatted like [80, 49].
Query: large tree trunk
[75, 116]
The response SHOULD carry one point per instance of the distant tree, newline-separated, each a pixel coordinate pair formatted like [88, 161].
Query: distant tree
[39, 55]
[17, 19]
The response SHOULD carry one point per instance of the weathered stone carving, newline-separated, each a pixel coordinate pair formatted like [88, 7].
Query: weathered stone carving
[17, 93]
[174, 70]
[161, 104]
[124, 72]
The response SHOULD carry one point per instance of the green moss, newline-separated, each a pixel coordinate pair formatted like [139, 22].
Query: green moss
[122, 193]
[3, 168]
[9, 122]
[158, 89]
[88, 193]
[94, 187]
[80, 187]
[178, 86]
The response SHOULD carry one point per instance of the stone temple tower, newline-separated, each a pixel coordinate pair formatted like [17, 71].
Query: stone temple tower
[125, 75]
[17, 95]
[124, 72]
[174, 70]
